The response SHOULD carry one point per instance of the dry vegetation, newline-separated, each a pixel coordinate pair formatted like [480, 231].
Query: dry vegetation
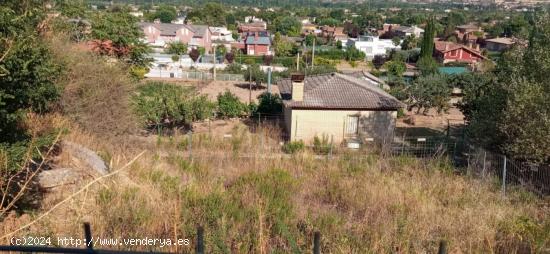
[96, 95]
[250, 198]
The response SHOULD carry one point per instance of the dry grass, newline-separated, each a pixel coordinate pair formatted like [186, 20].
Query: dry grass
[96, 95]
[252, 199]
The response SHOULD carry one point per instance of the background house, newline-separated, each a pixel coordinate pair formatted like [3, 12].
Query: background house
[337, 106]
[159, 34]
[499, 44]
[446, 52]
[372, 45]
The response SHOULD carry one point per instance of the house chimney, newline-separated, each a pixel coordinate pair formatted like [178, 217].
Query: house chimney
[446, 46]
[156, 21]
[297, 81]
[477, 47]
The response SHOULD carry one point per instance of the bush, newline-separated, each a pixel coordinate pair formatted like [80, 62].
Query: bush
[269, 104]
[294, 147]
[234, 68]
[321, 145]
[165, 105]
[230, 106]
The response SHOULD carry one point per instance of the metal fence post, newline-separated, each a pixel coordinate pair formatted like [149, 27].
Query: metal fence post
[88, 237]
[442, 247]
[190, 145]
[484, 160]
[331, 143]
[504, 178]
[200, 240]
[317, 242]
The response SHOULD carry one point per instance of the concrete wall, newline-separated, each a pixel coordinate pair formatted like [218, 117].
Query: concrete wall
[306, 124]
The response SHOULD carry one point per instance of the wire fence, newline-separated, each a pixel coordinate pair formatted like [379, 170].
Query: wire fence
[271, 142]
[199, 246]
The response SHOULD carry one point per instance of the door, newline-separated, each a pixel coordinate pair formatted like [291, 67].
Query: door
[352, 125]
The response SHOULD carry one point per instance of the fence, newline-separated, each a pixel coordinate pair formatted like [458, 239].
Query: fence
[452, 143]
[510, 172]
[192, 75]
[199, 246]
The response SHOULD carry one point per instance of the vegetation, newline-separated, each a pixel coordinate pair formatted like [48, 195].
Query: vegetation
[511, 113]
[165, 13]
[229, 105]
[176, 48]
[428, 92]
[162, 105]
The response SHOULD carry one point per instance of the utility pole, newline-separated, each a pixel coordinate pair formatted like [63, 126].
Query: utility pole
[214, 70]
[298, 62]
[313, 53]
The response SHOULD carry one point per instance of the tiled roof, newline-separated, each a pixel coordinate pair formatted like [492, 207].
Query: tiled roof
[445, 46]
[165, 28]
[338, 91]
[200, 30]
[258, 40]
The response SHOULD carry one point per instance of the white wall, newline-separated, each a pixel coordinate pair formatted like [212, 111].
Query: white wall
[372, 46]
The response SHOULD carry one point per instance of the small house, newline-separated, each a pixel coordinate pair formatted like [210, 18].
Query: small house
[339, 107]
[447, 52]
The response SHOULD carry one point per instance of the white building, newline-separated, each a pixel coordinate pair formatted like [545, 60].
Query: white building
[372, 45]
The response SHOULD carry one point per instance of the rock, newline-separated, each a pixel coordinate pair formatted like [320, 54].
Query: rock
[56, 177]
[87, 156]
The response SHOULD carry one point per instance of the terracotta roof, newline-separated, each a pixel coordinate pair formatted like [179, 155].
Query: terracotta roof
[446, 46]
[338, 91]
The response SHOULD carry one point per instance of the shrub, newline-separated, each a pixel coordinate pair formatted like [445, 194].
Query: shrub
[230, 106]
[234, 68]
[294, 147]
[165, 105]
[269, 104]
[321, 145]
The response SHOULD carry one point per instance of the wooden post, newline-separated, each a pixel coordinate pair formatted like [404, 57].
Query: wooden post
[317, 242]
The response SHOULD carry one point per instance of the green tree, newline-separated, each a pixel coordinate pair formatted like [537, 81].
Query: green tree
[165, 13]
[176, 48]
[122, 31]
[288, 25]
[410, 42]
[427, 46]
[27, 72]
[431, 91]
[255, 74]
[512, 113]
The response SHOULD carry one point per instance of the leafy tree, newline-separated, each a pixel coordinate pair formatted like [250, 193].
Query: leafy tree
[353, 54]
[120, 30]
[309, 39]
[213, 14]
[229, 105]
[283, 48]
[234, 68]
[378, 61]
[428, 92]
[339, 44]
[27, 72]
[395, 68]
[329, 22]
[512, 113]
[269, 104]
[165, 13]
[268, 59]
[176, 48]
[166, 105]
[288, 25]
[255, 74]
[396, 41]
[410, 42]
[221, 50]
